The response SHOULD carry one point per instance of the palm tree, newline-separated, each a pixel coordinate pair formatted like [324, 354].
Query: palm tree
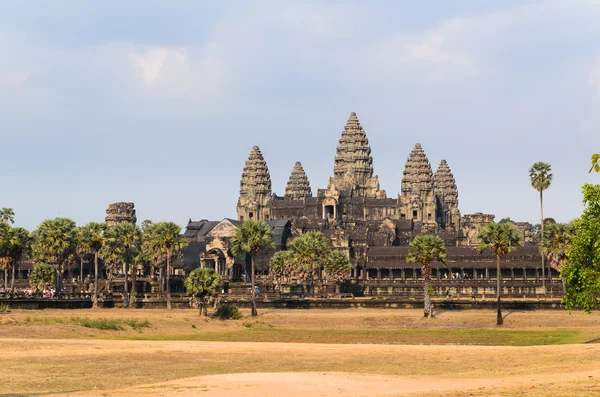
[55, 241]
[556, 241]
[91, 239]
[153, 250]
[125, 240]
[541, 179]
[5, 259]
[500, 239]
[425, 249]
[168, 236]
[311, 250]
[7, 215]
[19, 241]
[204, 286]
[249, 238]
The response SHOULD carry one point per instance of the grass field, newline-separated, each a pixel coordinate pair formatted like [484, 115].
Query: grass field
[456, 353]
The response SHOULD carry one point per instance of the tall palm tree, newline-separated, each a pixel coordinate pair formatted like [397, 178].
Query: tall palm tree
[5, 259]
[249, 238]
[168, 236]
[54, 242]
[153, 250]
[556, 241]
[19, 241]
[125, 240]
[541, 179]
[500, 239]
[425, 249]
[7, 215]
[91, 239]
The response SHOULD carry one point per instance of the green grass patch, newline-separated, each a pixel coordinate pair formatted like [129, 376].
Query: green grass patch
[95, 323]
[483, 337]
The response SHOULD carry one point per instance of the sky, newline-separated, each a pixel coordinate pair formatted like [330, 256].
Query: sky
[160, 102]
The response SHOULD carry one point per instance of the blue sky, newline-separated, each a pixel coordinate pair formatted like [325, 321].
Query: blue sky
[160, 102]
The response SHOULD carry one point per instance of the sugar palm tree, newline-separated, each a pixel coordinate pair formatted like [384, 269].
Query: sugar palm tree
[204, 286]
[556, 241]
[425, 249]
[311, 251]
[541, 179]
[54, 242]
[19, 241]
[153, 250]
[7, 215]
[5, 259]
[125, 240]
[167, 235]
[500, 239]
[249, 238]
[90, 240]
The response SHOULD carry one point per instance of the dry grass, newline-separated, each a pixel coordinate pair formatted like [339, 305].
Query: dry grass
[53, 355]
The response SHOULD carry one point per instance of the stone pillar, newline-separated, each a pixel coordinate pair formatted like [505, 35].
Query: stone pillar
[403, 274]
[525, 274]
[378, 274]
[512, 274]
[414, 274]
[474, 273]
[487, 273]
[391, 274]
[537, 274]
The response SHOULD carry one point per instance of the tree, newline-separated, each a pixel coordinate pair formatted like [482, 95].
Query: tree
[18, 244]
[41, 276]
[581, 274]
[167, 236]
[595, 163]
[7, 215]
[541, 179]
[90, 240]
[54, 242]
[249, 238]
[5, 259]
[425, 249]
[556, 242]
[505, 220]
[204, 286]
[500, 239]
[338, 267]
[281, 267]
[311, 251]
[124, 241]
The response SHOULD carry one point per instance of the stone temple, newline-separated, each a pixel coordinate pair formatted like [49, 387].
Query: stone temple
[372, 228]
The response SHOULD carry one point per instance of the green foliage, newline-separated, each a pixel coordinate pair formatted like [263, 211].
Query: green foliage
[556, 241]
[7, 215]
[228, 312]
[582, 273]
[252, 236]
[595, 160]
[41, 276]
[506, 220]
[540, 175]
[338, 266]
[425, 249]
[14, 243]
[54, 242]
[203, 285]
[499, 238]
[311, 251]
[90, 238]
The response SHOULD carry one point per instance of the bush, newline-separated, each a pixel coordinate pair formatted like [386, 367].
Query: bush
[228, 312]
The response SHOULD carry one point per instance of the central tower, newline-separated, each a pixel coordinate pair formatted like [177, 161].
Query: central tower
[353, 164]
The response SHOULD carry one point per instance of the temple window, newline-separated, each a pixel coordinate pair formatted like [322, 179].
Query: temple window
[251, 215]
[415, 215]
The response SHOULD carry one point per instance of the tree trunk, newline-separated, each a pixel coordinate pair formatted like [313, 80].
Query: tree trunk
[426, 269]
[254, 312]
[134, 270]
[81, 270]
[12, 278]
[126, 287]
[499, 319]
[108, 281]
[95, 304]
[168, 278]
[5, 279]
[541, 237]
[160, 280]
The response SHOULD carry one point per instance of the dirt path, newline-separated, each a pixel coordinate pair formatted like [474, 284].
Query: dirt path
[327, 384]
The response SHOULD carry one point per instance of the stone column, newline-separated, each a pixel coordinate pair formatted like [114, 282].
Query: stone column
[403, 274]
[487, 273]
[391, 274]
[512, 274]
[525, 274]
[378, 274]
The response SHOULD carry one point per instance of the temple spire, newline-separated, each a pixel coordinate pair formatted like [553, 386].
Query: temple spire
[298, 186]
[353, 164]
[255, 188]
[417, 172]
[446, 194]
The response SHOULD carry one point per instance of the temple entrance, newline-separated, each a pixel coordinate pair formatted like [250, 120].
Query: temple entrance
[328, 212]
[215, 259]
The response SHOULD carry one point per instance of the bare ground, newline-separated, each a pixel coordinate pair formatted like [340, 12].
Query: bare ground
[41, 356]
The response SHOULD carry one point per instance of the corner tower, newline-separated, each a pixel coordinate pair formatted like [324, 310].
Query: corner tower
[417, 200]
[298, 186]
[446, 194]
[255, 189]
[353, 164]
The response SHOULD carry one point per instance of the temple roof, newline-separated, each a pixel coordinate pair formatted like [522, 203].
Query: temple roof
[353, 163]
[298, 186]
[444, 184]
[417, 172]
[256, 179]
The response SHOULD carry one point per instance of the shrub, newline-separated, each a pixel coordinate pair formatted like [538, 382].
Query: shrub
[228, 312]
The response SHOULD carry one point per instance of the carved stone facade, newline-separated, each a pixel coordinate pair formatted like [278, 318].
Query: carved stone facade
[298, 187]
[446, 195]
[120, 213]
[255, 188]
